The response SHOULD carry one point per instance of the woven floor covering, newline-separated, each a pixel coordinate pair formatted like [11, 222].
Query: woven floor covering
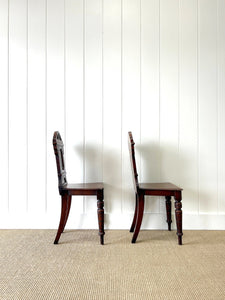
[156, 267]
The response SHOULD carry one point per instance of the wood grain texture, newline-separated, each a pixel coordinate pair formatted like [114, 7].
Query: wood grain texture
[66, 190]
[153, 189]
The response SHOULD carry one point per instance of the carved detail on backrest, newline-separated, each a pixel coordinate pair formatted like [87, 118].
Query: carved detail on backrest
[131, 144]
[59, 155]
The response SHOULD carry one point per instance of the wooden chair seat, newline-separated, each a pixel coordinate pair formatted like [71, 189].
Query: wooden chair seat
[166, 189]
[67, 190]
[87, 189]
[158, 187]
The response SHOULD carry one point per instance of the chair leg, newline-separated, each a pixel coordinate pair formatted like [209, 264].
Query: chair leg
[67, 211]
[100, 205]
[62, 222]
[135, 216]
[178, 213]
[140, 211]
[168, 211]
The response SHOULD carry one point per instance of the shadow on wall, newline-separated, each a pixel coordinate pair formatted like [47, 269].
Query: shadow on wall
[149, 164]
[102, 168]
[167, 164]
[154, 164]
[92, 162]
[161, 164]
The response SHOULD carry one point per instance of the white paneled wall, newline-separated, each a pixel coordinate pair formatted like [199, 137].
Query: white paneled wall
[95, 69]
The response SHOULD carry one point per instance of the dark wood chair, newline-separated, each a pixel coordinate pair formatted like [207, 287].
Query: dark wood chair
[77, 189]
[153, 189]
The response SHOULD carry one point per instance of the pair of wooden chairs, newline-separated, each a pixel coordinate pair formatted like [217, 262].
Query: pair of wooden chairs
[97, 189]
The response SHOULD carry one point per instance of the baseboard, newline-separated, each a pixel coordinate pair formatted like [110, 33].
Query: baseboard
[112, 221]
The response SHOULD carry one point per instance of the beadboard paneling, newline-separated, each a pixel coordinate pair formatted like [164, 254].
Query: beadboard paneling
[4, 150]
[208, 106]
[95, 69]
[188, 103]
[150, 118]
[221, 104]
[169, 92]
[130, 92]
[93, 105]
[55, 92]
[74, 96]
[18, 100]
[36, 107]
[112, 163]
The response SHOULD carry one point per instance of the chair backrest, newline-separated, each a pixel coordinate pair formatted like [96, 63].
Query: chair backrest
[131, 144]
[59, 155]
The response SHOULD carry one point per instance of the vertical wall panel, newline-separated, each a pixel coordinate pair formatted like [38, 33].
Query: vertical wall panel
[130, 93]
[112, 105]
[55, 95]
[93, 96]
[208, 110]
[188, 108]
[95, 69]
[74, 96]
[149, 149]
[221, 105]
[4, 104]
[36, 106]
[18, 106]
[169, 101]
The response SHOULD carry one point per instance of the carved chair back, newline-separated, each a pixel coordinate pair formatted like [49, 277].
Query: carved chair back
[59, 155]
[131, 144]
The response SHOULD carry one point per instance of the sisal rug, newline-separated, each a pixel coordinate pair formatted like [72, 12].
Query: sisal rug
[32, 267]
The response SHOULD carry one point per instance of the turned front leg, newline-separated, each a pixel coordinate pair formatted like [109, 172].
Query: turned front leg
[178, 213]
[100, 205]
[168, 211]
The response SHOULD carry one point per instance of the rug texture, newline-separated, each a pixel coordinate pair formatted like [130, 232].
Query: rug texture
[156, 267]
